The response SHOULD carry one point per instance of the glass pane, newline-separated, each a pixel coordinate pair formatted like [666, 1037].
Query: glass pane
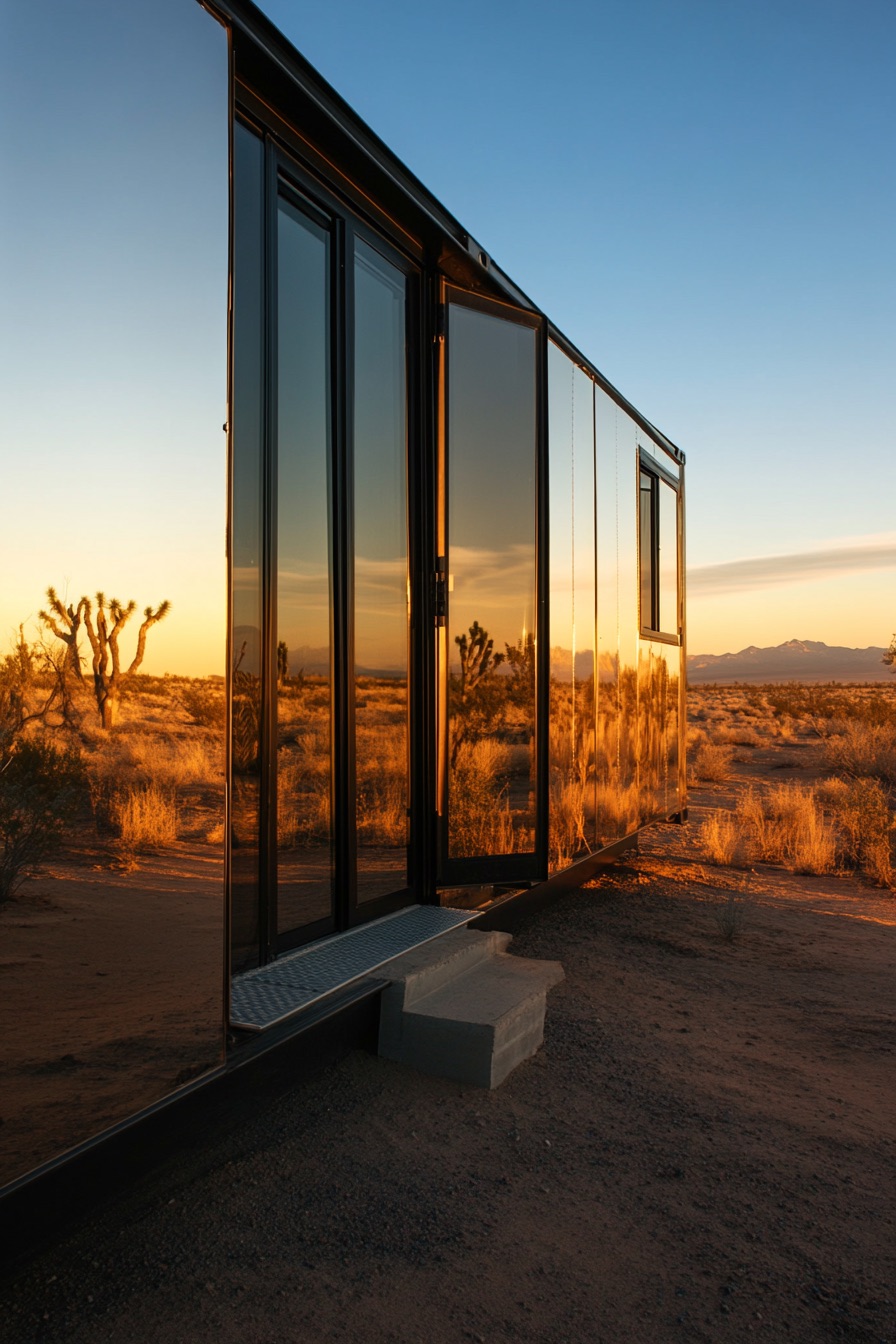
[668, 559]
[304, 715]
[647, 551]
[113, 385]
[572, 726]
[617, 621]
[248, 429]
[491, 581]
[381, 575]
[626, 438]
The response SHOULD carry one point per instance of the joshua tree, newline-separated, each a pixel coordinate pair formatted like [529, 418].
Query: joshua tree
[890, 656]
[282, 663]
[65, 623]
[103, 634]
[108, 679]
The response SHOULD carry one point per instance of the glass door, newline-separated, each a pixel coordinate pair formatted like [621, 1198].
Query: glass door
[489, 804]
[321, 691]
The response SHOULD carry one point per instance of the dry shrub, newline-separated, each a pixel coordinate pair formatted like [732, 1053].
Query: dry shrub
[862, 749]
[861, 814]
[739, 735]
[730, 914]
[204, 702]
[788, 828]
[720, 836]
[145, 816]
[712, 761]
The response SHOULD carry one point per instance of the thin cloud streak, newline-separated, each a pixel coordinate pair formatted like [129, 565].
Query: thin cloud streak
[767, 571]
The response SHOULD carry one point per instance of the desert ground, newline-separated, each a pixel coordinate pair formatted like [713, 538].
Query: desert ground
[703, 1149]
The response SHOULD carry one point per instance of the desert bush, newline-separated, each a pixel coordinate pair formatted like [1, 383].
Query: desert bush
[730, 914]
[738, 735]
[862, 749]
[145, 816]
[861, 814]
[788, 828]
[41, 787]
[169, 762]
[712, 762]
[720, 836]
[204, 703]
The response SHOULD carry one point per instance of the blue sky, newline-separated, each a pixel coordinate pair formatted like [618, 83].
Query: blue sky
[701, 195]
[699, 192]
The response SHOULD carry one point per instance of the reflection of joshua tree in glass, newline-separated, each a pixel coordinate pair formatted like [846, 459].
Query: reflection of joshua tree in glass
[108, 676]
[246, 716]
[492, 715]
[477, 700]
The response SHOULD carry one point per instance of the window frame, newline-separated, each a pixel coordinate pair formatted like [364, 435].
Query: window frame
[650, 628]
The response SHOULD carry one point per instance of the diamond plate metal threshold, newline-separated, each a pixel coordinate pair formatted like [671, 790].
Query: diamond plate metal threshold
[269, 995]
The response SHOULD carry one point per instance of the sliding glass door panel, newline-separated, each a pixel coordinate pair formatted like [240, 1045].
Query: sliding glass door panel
[303, 621]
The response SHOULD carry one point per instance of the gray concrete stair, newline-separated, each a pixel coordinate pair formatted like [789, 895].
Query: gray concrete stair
[462, 1008]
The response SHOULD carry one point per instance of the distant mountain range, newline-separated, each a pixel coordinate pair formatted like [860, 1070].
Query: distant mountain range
[797, 660]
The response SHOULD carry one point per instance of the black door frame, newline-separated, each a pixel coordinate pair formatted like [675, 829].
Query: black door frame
[285, 177]
[510, 869]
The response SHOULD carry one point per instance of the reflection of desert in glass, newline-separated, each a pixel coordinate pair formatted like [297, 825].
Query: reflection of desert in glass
[601, 795]
[571, 827]
[381, 764]
[111, 833]
[637, 748]
[491, 761]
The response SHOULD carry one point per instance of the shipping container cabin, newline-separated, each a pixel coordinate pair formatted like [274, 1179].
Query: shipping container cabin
[339, 590]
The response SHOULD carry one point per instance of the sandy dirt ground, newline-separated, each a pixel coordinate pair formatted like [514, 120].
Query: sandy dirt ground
[703, 1150]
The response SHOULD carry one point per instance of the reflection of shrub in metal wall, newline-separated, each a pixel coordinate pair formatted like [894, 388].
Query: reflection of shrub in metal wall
[41, 787]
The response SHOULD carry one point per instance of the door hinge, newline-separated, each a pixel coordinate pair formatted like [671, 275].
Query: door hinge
[440, 591]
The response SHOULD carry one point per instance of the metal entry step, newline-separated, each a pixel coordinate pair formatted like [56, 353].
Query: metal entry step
[266, 996]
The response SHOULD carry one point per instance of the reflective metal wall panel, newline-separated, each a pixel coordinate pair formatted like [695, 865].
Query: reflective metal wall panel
[304, 699]
[491, 581]
[657, 729]
[572, 695]
[381, 574]
[113, 589]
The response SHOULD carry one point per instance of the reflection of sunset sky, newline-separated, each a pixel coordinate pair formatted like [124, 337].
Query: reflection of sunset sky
[112, 374]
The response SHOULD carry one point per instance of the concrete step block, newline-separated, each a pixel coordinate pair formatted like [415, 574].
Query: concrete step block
[476, 1028]
[424, 969]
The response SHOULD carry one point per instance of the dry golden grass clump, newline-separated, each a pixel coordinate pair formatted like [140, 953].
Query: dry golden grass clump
[839, 824]
[145, 816]
[712, 761]
[843, 822]
[862, 748]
